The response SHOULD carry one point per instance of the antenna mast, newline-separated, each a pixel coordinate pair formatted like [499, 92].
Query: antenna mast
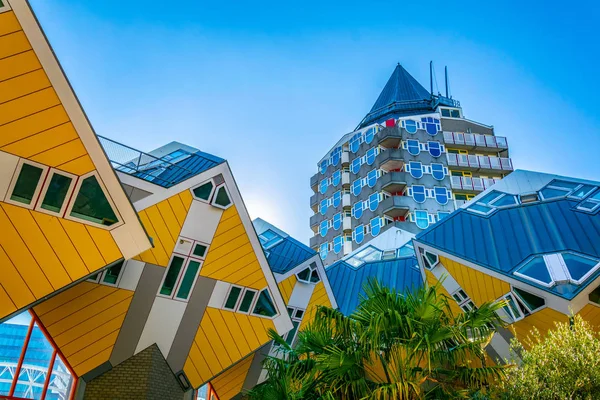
[446, 73]
[431, 77]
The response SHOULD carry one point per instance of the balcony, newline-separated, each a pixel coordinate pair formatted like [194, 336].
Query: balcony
[314, 182]
[393, 182]
[459, 203]
[345, 158]
[479, 163]
[314, 201]
[390, 137]
[396, 206]
[475, 141]
[347, 224]
[315, 241]
[471, 184]
[345, 178]
[390, 160]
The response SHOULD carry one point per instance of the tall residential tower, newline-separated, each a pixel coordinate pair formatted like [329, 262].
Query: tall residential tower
[412, 160]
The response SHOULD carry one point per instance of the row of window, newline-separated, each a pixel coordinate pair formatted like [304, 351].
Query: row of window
[417, 170]
[368, 159]
[183, 269]
[334, 159]
[420, 193]
[450, 112]
[333, 180]
[213, 193]
[371, 203]
[423, 219]
[41, 188]
[414, 147]
[333, 201]
[370, 180]
[249, 301]
[363, 137]
[431, 125]
[334, 223]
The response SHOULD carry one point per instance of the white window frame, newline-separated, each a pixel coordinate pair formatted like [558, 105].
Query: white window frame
[67, 214]
[36, 194]
[46, 186]
[5, 7]
[212, 192]
[517, 297]
[177, 286]
[101, 275]
[237, 302]
[511, 313]
[272, 301]
[252, 303]
[214, 197]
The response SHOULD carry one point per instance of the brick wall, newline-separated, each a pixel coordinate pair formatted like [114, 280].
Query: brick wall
[143, 376]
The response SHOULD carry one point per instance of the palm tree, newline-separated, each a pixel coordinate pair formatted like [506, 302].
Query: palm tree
[394, 346]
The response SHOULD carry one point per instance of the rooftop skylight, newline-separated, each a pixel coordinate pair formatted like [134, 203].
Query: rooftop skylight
[558, 268]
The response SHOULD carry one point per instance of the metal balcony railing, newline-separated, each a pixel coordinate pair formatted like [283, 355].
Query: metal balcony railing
[142, 165]
[471, 184]
[480, 162]
[476, 140]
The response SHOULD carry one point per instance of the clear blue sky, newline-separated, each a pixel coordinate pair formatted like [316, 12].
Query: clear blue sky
[272, 85]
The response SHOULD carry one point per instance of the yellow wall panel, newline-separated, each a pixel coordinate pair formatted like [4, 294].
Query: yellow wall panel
[91, 337]
[479, 286]
[22, 259]
[79, 166]
[591, 313]
[208, 353]
[186, 199]
[61, 154]
[13, 43]
[178, 209]
[84, 244]
[167, 214]
[13, 283]
[22, 85]
[231, 381]
[63, 298]
[36, 242]
[8, 23]
[6, 304]
[18, 64]
[221, 327]
[286, 287]
[32, 125]
[105, 243]
[106, 342]
[192, 372]
[93, 361]
[543, 320]
[246, 327]
[237, 333]
[432, 280]
[40, 142]
[319, 298]
[161, 229]
[214, 338]
[259, 329]
[27, 105]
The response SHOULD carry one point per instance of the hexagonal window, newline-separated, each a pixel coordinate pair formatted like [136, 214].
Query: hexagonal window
[222, 198]
[204, 191]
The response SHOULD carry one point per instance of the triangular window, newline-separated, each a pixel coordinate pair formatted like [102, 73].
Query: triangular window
[92, 205]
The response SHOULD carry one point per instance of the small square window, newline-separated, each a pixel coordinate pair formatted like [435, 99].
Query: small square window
[199, 250]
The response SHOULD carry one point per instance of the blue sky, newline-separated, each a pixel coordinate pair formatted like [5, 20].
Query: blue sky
[272, 85]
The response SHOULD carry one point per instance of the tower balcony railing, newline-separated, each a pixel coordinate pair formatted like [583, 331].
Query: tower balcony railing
[476, 140]
[488, 163]
[471, 184]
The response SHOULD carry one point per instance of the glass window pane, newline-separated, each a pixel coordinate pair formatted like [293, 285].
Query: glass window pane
[222, 198]
[264, 305]
[480, 208]
[578, 266]
[532, 301]
[56, 193]
[304, 274]
[549, 193]
[26, 184]
[35, 365]
[507, 200]
[488, 198]
[203, 191]
[12, 337]
[583, 191]
[564, 184]
[199, 250]
[314, 277]
[188, 280]
[247, 301]
[91, 203]
[112, 274]
[291, 335]
[172, 275]
[232, 299]
[536, 269]
[594, 297]
[61, 381]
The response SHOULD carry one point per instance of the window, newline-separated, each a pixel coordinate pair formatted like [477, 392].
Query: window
[512, 308]
[579, 267]
[359, 234]
[356, 187]
[335, 156]
[232, 298]
[323, 166]
[204, 191]
[372, 177]
[438, 171]
[357, 209]
[337, 221]
[269, 239]
[376, 225]
[536, 270]
[221, 199]
[421, 218]
[369, 135]
[323, 186]
[264, 305]
[430, 259]
[336, 198]
[418, 193]
[91, 204]
[323, 205]
[247, 300]
[442, 195]
[323, 227]
[450, 113]
[323, 250]
[406, 251]
[309, 275]
[413, 147]
[595, 296]
[528, 198]
[355, 165]
[336, 177]
[531, 301]
[442, 215]
[416, 169]
[558, 268]
[432, 125]
[435, 149]
[109, 276]
[374, 201]
[56, 192]
[410, 125]
[355, 142]
[26, 185]
[460, 296]
[200, 250]
[371, 154]
[445, 112]
[559, 188]
[338, 244]
[591, 203]
[180, 278]
[367, 254]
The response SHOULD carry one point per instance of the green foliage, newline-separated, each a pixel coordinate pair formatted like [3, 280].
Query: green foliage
[565, 364]
[393, 346]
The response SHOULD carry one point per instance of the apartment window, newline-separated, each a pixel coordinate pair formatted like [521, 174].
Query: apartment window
[356, 187]
[450, 113]
[529, 300]
[336, 177]
[323, 186]
[432, 125]
[296, 315]
[247, 301]
[512, 308]
[371, 154]
[56, 192]
[413, 147]
[442, 215]
[91, 204]
[233, 297]
[180, 278]
[369, 135]
[372, 177]
[376, 225]
[323, 166]
[337, 221]
[336, 198]
[438, 171]
[204, 191]
[359, 234]
[172, 275]
[410, 125]
[373, 201]
[357, 209]
[416, 169]
[264, 305]
[441, 195]
[323, 250]
[591, 203]
[199, 250]
[355, 142]
[435, 149]
[338, 244]
[27, 183]
[418, 193]
[421, 219]
[323, 228]
[460, 296]
[323, 206]
[429, 259]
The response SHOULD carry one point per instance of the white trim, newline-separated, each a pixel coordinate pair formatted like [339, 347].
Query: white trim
[278, 312]
[5, 7]
[214, 198]
[179, 274]
[36, 194]
[254, 297]
[212, 191]
[180, 281]
[44, 190]
[238, 300]
[75, 192]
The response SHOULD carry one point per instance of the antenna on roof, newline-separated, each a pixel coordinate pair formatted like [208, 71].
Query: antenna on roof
[446, 73]
[431, 77]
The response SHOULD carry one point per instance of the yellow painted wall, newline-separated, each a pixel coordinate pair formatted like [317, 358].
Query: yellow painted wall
[286, 287]
[40, 254]
[591, 313]
[223, 339]
[231, 257]
[84, 322]
[33, 122]
[432, 280]
[230, 382]
[479, 287]
[163, 222]
[319, 298]
[543, 320]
